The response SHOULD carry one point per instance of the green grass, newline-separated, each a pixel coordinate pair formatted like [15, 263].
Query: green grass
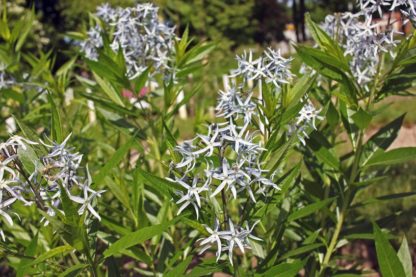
[401, 179]
[394, 107]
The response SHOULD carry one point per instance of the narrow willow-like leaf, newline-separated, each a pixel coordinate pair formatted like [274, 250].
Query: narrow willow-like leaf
[361, 118]
[137, 254]
[383, 138]
[302, 86]
[327, 43]
[113, 161]
[180, 269]
[284, 269]
[206, 268]
[24, 32]
[405, 258]
[56, 122]
[394, 156]
[389, 263]
[137, 237]
[161, 185]
[66, 67]
[307, 210]
[30, 251]
[301, 250]
[109, 90]
[74, 270]
[60, 250]
[28, 158]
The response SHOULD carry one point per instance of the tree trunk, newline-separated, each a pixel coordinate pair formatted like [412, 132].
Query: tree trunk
[302, 19]
[295, 17]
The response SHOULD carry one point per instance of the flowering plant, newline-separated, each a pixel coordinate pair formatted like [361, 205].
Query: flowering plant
[269, 187]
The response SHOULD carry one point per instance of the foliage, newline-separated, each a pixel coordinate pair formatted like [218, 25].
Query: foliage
[271, 187]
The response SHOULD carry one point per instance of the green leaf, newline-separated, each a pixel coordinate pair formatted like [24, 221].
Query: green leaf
[405, 258]
[301, 87]
[24, 32]
[140, 80]
[325, 156]
[184, 101]
[322, 62]
[394, 156]
[117, 157]
[332, 115]
[205, 268]
[60, 250]
[349, 125]
[28, 132]
[389, 263]
[289, 180]
[361, 118]
[331, 68]
[109, 105]
[291, 113]
[56, 123]
[4, 27]
[195, 225]
[114, 226]
[301, 250]
[109, 90]
[74, 230]
[180, 269]
[29, 251]
[109, 70]
[28, 158]
[138, 237]
[137, 254]
[63, 70]
[326, 42]
[322, 149]
[284, 269]
[119, 190]
[383, 138]
[161, 185]
[307, 210]
[73, 271]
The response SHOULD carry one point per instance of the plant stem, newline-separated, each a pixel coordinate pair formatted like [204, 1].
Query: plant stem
[224, 207]
[346, 202]
[38, 198]
[334, 239]
[91, 263]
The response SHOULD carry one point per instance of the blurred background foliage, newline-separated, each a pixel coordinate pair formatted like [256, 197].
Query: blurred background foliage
[232, 24]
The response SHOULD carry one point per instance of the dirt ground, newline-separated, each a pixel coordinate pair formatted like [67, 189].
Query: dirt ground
[405, 138]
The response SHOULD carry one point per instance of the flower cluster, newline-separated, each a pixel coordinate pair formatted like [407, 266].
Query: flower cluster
[6, 81]
[271, 67]
[362, 40]
[143, 39]
[55, 171]
[406, 7]
[225, 162]
[227, 240]
[94, 42]
[305, 121]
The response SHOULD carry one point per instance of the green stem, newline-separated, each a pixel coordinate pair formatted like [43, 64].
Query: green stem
[91, 264]
[334, 239]
[345, 205]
